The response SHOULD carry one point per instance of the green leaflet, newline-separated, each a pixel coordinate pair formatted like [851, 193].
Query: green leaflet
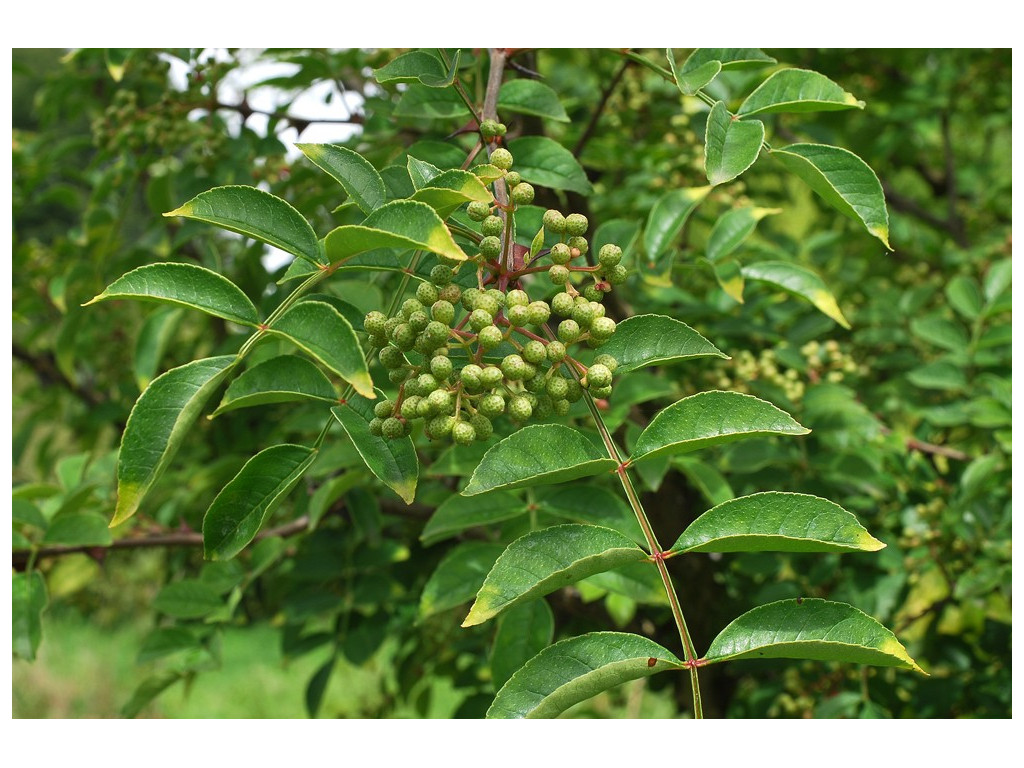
[546, 162]
[667, 218]
[319, 329]
[161, 417]
[350, 169]
[430, 103]
[592, 505]
[523, 632]
[152, 342]
[449, 190]
[941, 332]
[393, 462]
[531, 97]
[799, 281]
[279, 380]
[243, 505]
[188, 599]
[28, 601]
[711, 418]
[575, 669]
[457, 577]
[643, 340]
[965, 296]
[543, 561]
[148, 690]
[257, 214]
[776, 522]
[733, 227]
[810, 628]
[186, 285]
[458, 513]
[730, 146]
[79, 529]
[420, 171]
[538, 455]
[731, 58]
[797, 90]
[398, 224]
[729, 276]
[692, 80]
[845, 181]
[412, 67]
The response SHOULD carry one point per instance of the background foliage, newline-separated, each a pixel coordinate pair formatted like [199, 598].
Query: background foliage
[909, 407]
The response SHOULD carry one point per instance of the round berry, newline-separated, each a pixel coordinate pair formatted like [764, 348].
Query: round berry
[409, 306]
[575, 224]
[442, 311]
[534, 352]
[391, 358]
[496, 296]
[489, 128]
[450, 293]
[554, 221]
[557, 387]
[463, 433]
[398, 375]
[518, 316]
[578, 244]
[519, 408]
[516, 298]
[441, 401]
[491, 376]
[562, 304]
[492, 405]
[514, 367]
[426, 293]
[479, 319]
[597, 308]
[441, 367]
[502, 128]
[436, 333]
[409, 405]
[561, 407]
[523, 194]
[512, 179]
[376, 427]
[383, 409]
[482, 426]
[374, 323]
[583, 314]
[440, 276]
[489, 337]
[404, 336]
[419, 320]
[607, 361]
[560, 253]
[593, 293]
[558, 274]
[492, 226]
[424, 345]
[536, 383]
[478, 211]
[490, 247]
[538, 312]
[602, 327]
[469, 296]
[392, 428]
[609, 255]
[425, 409]
[575, 391]
[598, 376]
[617, 275]
[556, 351]
[568, 331]
[501, 158]
[544, 407]
[601, 392]
[426, 383]
[470, 377]
[440, 426]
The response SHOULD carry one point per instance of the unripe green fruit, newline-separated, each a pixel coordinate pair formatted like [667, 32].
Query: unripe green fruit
[617, 275]
[490, 337]
[443, 312]
[376, 426]
[512, 179]
[398, 375]
[492, 405]
[558, 274]
[502, 128]
[598, 308]
[557, 387]
[374, 323]
[426, 383]
[531, 399]
[437, 333]
[575, 224]
[593, 293]
[470, 377]
[583, 314]
[593, 342]
[601, 392]
[441, 367]
[575, 391]
[556, 351]
[479, 319]
[607, 361]
[419, 320]
[554, 221]
[425, 409]
[491, 377]
[536, 383]
[523, 194]
[482, 426]
[450, 293]
[478, 211]
[501, 158]
[518, 316]
[609, 255]
[490, 247]
[492, 226]
[517, 298]
[392, 323]
[561, 407]
[426, 293]
[383, 409]
[514, 367]
[598, 376]
[424, 345]
[560, 253]
[440, 426]
[409, 405]
[404, 336]
[544, 407]
[392, 428]
[469, 296]
[534, 352]
[378, 340]
[463, 433]
[562, 304]
[602, 328]
[495, 296]
[441, 401]
[538, 312]
[529, 370]
[519, 408]
[489, 128]
[440, 276]
[568, 331]
[409, 306]
[579, 244]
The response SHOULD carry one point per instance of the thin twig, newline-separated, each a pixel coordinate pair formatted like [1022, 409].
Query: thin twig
[588, 132]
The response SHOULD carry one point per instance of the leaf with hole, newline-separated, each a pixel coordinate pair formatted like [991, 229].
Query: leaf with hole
[186, 285]
[845, 182]
[350, 169]
[776, 522]
[319, 329]
[730, 146]
[576, 669]
[797, 90]
[810, 628]
[711, 418]
[799, 281]
[643, 340]
[547, 560]
[538, 455]
[158, 423]
[244, 504]
[256, 214]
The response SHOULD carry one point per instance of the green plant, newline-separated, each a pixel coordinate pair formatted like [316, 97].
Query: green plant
[420, 220]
